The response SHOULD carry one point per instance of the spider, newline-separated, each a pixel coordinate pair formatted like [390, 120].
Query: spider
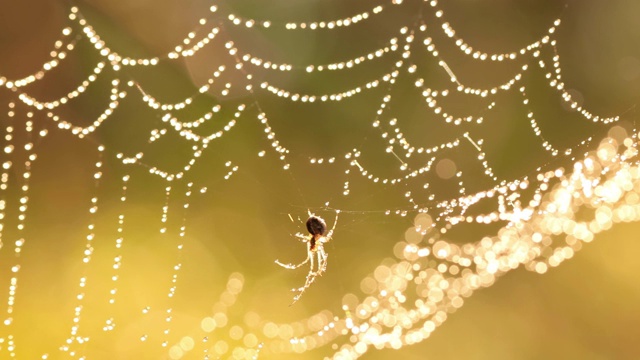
[316, 239]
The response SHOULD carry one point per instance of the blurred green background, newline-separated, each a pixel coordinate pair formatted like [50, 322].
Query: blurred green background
[585, 309]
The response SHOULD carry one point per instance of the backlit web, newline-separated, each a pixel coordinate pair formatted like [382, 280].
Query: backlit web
[146, 183]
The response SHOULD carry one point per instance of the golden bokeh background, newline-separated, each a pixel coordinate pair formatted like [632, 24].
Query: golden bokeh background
[585, 309]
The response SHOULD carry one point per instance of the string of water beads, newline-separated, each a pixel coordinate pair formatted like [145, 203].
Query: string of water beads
[430, 95]
[278, 149]
[163, 232]
[329, 24]
[431, 48]
[232, 169]
[57, 56]
[557, 84]
[170, 176]
[327, 97]
[117, 61]
[110, 323]
[74, 336]
[345, 64]
[179, 51]
[31, 156]
[180, 247]
[197, 153]
[178, 266]
[430, 98]
[81, 131]
[468, 50]
[194, 123]
[190, 135]
[40, 105]
[154, 104]
[393, 181]
[536, 129]
[6, 167]
[8, 150]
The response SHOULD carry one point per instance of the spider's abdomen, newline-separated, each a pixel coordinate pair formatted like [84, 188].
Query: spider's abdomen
[316, 226]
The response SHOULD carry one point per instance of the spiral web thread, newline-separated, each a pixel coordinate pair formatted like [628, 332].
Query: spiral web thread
[404, 302]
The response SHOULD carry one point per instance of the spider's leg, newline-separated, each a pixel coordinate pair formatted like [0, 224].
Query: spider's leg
[330, 233]
[311, 277]
[310, 256]
[292, 266]
[322, 261]
[302, 237]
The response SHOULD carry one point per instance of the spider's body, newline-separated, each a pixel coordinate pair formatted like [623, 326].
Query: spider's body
[317, 228]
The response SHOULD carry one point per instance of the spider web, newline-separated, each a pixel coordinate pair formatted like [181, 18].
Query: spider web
[143, 187]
